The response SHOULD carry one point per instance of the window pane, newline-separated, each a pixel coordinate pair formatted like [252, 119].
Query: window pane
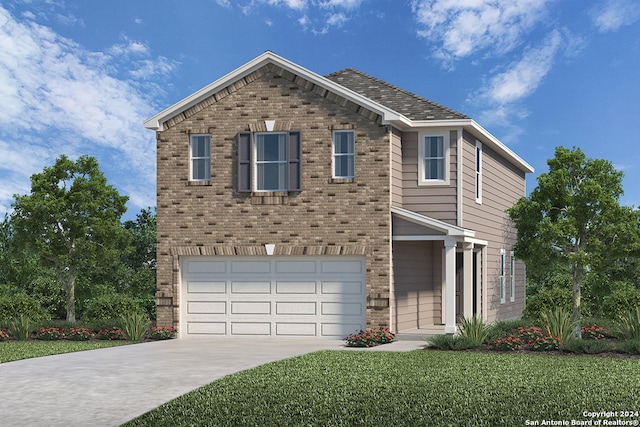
[345, 166]
[434, 169]
[200, 146]
[271, 147]
[435, 146]
[201, 169]
[343, 142]
[272, 176]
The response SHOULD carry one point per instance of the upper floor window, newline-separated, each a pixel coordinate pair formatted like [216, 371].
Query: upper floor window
[478, 172]
[269, 162]
[200, 147]
[433, 165]
[512, 260]
[344, 154]
[503, 297]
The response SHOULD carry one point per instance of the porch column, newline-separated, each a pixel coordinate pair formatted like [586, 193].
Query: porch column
[449, 303]
[467, 289]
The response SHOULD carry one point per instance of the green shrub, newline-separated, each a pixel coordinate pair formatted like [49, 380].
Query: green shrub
[135, 326]
[451, 342]
[148, 306]
[537, 339]
[79, 334]
[20, 304]
[110, 334]
[587, 346]
[49, 333]
[161, 333]
[509, 343]
[110, 306]
[547, 299]
[474, 329]
[629, 325]
[22, 327]
[505, 328]
[630, 347]
[558, 323]
[621, 301]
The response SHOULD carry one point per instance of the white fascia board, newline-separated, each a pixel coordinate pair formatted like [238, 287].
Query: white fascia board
[434, 224]
[156, 122]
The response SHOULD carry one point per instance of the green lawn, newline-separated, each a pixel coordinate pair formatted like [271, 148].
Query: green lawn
[17, 350]
[347, 388]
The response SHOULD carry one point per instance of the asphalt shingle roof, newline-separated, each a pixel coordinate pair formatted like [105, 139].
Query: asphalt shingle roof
[399, 100]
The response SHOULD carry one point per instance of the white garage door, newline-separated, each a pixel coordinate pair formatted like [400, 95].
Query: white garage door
[277, 296]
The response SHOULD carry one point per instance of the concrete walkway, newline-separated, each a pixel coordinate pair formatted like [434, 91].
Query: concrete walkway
[111, 386]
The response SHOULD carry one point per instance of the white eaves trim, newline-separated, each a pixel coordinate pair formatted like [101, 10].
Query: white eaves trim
[388, 115]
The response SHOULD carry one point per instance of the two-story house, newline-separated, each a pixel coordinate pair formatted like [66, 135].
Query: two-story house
[292, 204]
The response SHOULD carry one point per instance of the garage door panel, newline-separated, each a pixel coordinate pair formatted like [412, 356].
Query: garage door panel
[263, 267]
[250, 328]
[207, 267]
[206, 307]
[250, 287]
[277, 295]
[342, 288]
[259, 307]
[296, 329]
[305, 267]
[296, 308]
[206, 287]
[295, 288]
[340, 308]
[207, 328]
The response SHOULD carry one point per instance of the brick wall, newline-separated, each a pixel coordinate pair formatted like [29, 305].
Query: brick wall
[329, 216]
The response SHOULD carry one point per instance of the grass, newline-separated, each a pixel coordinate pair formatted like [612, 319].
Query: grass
[17, 350]
[339, 388]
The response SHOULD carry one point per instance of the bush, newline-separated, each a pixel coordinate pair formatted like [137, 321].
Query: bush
[110, 306]
[505, 328]
[161, 333]
[537, 339]
[110, 334]
[621, 301]
[22, 327]
[629, 325]
[79, 334]
[509, 343]
[558, 323]
[5, 334]
[21, 304]
[370, 337]
[630, 347]
[547, 299]
[135, 326]
[49, 333]
[594, 332]
[451, 342]
[474, 329]
[587, 346]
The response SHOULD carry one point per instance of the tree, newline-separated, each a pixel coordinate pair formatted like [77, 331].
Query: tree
[71, 215]
[573, 216]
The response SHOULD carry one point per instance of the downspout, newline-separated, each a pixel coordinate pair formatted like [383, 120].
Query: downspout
[392, 294]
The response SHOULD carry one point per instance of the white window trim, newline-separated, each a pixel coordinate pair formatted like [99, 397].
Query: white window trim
[502, 268]
[478, 166]
[447, 168]
[512, 270]
[191, 158]
[255, 162]
[334, 155]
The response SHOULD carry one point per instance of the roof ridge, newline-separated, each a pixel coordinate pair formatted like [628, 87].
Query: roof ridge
[397, 88]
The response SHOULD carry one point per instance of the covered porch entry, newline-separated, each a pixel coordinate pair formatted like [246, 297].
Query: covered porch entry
[438, 274]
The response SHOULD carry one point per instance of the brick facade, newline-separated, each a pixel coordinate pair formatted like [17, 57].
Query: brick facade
[328, 217]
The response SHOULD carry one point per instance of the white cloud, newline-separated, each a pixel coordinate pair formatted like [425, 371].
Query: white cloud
[337, 19]
[345, 4]
[292, 4]
[60, 98]
[464, 27]
[524, 76]
[610, 15]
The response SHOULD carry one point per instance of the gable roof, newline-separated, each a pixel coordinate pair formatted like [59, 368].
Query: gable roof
[408, 104]
[395, 106]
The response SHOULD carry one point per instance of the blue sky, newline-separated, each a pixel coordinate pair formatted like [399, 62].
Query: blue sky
[80, 77]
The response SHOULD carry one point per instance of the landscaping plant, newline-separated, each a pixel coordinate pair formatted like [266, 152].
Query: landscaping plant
[135, 326]
[474, 329]
[558, 324]
[50, 333]
[79, 334]
[451, 342]
[629, 325]
[110, 334]
[161, 333]
[21, 328]
[370, 337]
[5, 334]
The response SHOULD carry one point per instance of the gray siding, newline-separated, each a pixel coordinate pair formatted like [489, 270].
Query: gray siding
[438, 202]
[502, 185]
[417, 284]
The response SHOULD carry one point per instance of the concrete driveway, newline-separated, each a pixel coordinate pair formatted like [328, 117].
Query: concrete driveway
[111, 386]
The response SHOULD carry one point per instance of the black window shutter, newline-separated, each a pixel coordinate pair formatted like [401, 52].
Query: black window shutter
[294, 157]
[244, 162]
